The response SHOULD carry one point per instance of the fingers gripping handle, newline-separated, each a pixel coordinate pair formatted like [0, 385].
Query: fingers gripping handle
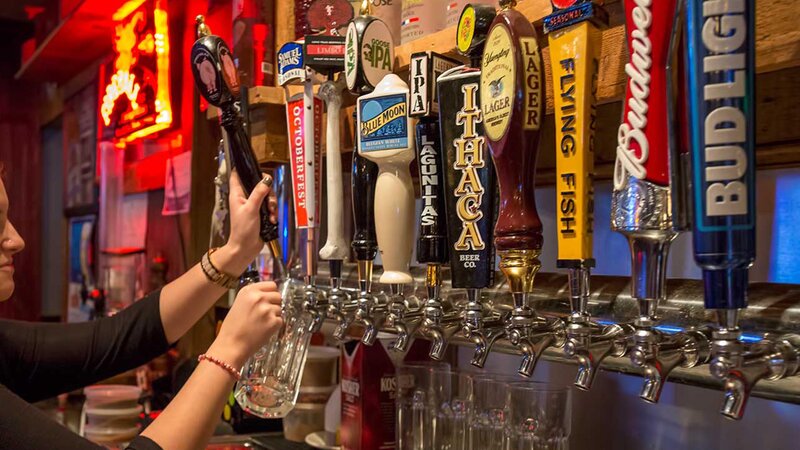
[336, 245]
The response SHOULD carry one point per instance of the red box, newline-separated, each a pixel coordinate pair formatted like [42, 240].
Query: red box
[368, 397]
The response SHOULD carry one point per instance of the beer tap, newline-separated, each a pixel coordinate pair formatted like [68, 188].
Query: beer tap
[326, 55]
[431, 245]
[647, 205]
[721, 80]
[512, 100]
[386, 137]
[574, 61]
[220, 87]
[369, 55]
[469, 187]
[304, 114]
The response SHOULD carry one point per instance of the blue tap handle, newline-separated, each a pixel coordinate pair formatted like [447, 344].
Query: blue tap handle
[720, 49]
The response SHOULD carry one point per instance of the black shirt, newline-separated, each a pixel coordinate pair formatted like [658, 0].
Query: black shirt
[41, 360]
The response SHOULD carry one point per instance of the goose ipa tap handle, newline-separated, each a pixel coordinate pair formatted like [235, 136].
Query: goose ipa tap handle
[511, 98]
[217, 80]
[368, 57]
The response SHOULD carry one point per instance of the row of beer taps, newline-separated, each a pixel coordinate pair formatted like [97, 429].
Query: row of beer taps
[475, 128]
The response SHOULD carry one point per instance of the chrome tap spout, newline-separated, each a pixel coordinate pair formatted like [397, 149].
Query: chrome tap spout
[439, 330]
[531, 336]
[484, 336]
[590, 345]
[404, 326]
[658, 354]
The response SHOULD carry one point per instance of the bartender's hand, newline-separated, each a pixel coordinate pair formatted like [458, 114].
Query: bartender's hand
[244, 242]
[253, 318]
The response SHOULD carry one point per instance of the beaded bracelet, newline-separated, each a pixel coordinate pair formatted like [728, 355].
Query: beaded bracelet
[227, 367]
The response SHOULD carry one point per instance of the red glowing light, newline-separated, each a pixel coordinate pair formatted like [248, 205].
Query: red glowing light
[136, 100]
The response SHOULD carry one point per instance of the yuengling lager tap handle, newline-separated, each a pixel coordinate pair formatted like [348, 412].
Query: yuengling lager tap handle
[512, 97]
[217, 80]
[386, 137]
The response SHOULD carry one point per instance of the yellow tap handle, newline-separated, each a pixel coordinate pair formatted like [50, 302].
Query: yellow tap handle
[574, 59]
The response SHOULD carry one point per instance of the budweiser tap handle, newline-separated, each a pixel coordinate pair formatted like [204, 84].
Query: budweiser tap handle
[512, 97]
[216, 78]
[721, 82]
[386, 137]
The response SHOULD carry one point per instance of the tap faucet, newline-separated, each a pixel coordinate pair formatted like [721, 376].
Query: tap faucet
[470, 206]
[390, 146]
[740, 366]
[532, 335]
[590, 344]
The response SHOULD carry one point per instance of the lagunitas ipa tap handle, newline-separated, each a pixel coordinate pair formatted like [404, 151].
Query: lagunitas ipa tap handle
[424, 69]
[642, 205]
[216, 78]
[386, 137]
[721, 53]
[511, 99]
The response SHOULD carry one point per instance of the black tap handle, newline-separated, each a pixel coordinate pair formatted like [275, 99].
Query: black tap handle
[218, 82]
[432, 243]
[365, 175]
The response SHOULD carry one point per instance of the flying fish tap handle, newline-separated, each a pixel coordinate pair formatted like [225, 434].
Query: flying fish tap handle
[425, 67]
[386, 137]
[304, 117]
[574, 36]
[721, 82]
[469, 183]
[216, 78]
[512, 100]
[325, 54]
[646, 203]
[369, 55]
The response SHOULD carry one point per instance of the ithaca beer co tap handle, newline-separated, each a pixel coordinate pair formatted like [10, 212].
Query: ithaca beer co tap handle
[386, 137]
[369, 55]
[217, 80]
[512, 100]
[721, 86]
[432, 242]
[647, 176]
[325, 54]
[574, 36]
[469, 182]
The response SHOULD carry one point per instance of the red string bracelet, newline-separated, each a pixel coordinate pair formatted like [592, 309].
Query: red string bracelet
[227, 367]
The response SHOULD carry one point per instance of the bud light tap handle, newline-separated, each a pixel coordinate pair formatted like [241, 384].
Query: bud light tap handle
[721, 83]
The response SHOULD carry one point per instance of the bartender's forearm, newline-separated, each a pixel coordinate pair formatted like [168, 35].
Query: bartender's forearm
[189, 420]
[185, 300]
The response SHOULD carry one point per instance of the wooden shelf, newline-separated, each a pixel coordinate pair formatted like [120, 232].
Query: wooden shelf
[85, 35]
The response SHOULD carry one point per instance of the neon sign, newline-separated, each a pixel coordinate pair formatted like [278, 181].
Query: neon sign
[135, 101]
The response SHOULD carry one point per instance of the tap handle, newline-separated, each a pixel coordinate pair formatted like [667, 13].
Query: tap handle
[473, 27]
[386, 137]
[335, 247]
[469, 180]
[721, 85]
[574, 61]
[368, 53]
[364, 178]
[512, 98]
[218, 82]
[425, 68]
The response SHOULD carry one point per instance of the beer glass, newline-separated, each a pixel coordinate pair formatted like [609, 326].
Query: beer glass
[421, 389]
[539, 416]
[487, 419]
[270, 379]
